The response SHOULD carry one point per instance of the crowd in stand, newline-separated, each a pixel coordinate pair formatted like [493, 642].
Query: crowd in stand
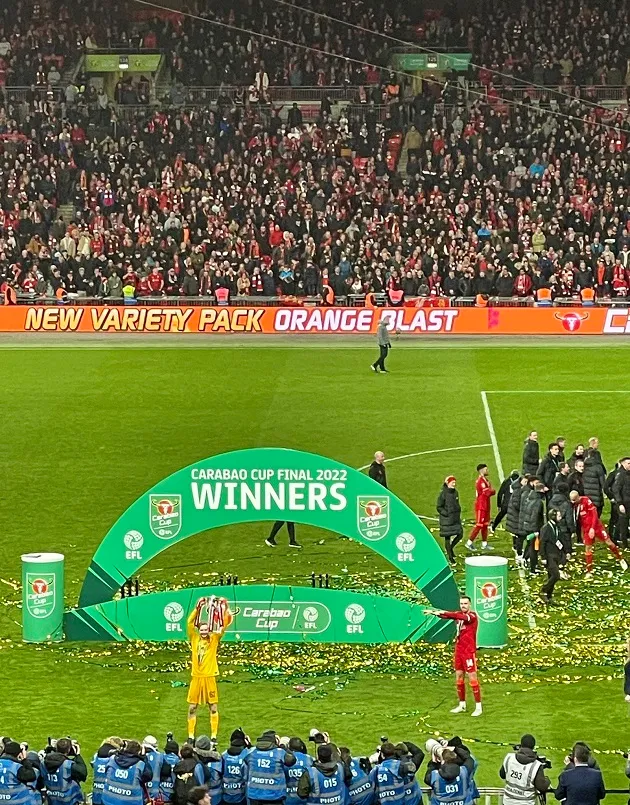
[281, 770]
[492, 198]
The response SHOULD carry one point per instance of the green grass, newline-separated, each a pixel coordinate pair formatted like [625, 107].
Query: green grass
[87, 431]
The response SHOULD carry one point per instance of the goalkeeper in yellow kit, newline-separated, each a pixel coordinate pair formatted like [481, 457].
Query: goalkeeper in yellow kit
[205, 635]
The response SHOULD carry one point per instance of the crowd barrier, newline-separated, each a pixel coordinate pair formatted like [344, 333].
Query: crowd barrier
[315, 320]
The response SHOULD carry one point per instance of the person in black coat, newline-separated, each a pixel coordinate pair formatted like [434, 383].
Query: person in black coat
[503, 499]
[531, 521]
[560, 501]
[554, 550]
[531, 454]
[450, 512]
[621, 495]
[578, 453]
[377, 469]
[594, 479]
[549, 468]
[562, 477]
[519, 488]
[613, 521]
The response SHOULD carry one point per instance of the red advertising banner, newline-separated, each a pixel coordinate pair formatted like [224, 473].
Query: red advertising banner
[315, 320]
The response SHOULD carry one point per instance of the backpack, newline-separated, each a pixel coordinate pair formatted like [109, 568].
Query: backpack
[184, 783]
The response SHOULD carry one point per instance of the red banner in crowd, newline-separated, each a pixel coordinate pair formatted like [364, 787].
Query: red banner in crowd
[337, 320]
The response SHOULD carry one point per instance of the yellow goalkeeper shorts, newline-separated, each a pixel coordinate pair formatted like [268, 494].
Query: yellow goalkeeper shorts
[203, 690]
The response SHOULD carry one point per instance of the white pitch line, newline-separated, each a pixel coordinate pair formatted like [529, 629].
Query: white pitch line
[429, 453]
[531, 620]
[559, 391]
[493, 435]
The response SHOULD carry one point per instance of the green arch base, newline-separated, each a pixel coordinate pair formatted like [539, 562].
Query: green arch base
[266, 484]
[264, 612]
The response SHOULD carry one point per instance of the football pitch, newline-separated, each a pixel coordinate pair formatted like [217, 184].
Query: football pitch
[88, 430]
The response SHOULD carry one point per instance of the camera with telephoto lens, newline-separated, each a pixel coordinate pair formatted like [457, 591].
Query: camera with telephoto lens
[542, 759]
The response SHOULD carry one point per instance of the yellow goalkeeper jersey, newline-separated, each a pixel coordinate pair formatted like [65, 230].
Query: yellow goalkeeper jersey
[204, 650]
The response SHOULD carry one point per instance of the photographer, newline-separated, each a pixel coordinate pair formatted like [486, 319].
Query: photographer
[581, 783]
[361, 788]
[554, 549]
[524, 774]
[63, 769]
[127, 776]
[327, 780]
[390, 775]
[17, 775]
[450, 782]
[100, 760]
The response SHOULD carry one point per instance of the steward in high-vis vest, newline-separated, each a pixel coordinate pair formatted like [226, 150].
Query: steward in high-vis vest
[361, 788]
[451, 784]
[303, 761]
[326, 781]
[63, 769]
[266, 766]
[524, 774]
[99, 763]
[17, 775]
[234, 768]
[127, 776]
[391, 775]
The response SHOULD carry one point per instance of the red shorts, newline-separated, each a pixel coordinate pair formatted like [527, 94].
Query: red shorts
[482, 518]
[465, 662]
[600, 534]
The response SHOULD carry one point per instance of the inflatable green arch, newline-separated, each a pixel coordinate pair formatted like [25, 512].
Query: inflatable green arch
[266, 484]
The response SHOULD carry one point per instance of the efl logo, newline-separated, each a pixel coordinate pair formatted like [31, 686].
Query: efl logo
[355, 615]
[405, 544]
[173, 613]
[571, 321]
[133, 542]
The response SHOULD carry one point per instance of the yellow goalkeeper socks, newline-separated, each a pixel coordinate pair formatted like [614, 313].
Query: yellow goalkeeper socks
[214, 725]
[192, 724]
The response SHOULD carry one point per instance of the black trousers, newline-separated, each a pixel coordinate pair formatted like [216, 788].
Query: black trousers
[278, 525]
[531, 553]
[622, 526]
[500, 515]
[450, 543]
[626, 678]
[553, 576]
[379, 363]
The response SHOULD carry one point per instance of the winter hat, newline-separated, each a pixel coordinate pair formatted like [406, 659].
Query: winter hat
[237, 738]
[12, 748]
[171, 748]
[528, 741]
[150, 742]
[203, 746]
[449, 479]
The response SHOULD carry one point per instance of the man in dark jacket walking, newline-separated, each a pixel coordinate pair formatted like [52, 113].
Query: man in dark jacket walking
[613, 520]
[450, 512]
[621, 496]
[531, 454]
[377, 469]
[555, 550]
[530, 522]
[549, 468]
[384, 345]
[560, 501]
[503, 499]
[576, 478]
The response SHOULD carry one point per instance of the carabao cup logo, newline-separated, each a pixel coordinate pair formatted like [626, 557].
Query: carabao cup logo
[165, 515]
[489, 600]
[373, 516]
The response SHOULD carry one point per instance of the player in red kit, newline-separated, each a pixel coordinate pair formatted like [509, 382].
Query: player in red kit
[483, 493]
[465, 659]
[592, 529]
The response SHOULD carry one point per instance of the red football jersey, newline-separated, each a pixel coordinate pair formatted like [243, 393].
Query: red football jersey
[586, 512]
[466, 640]
[483, 493]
